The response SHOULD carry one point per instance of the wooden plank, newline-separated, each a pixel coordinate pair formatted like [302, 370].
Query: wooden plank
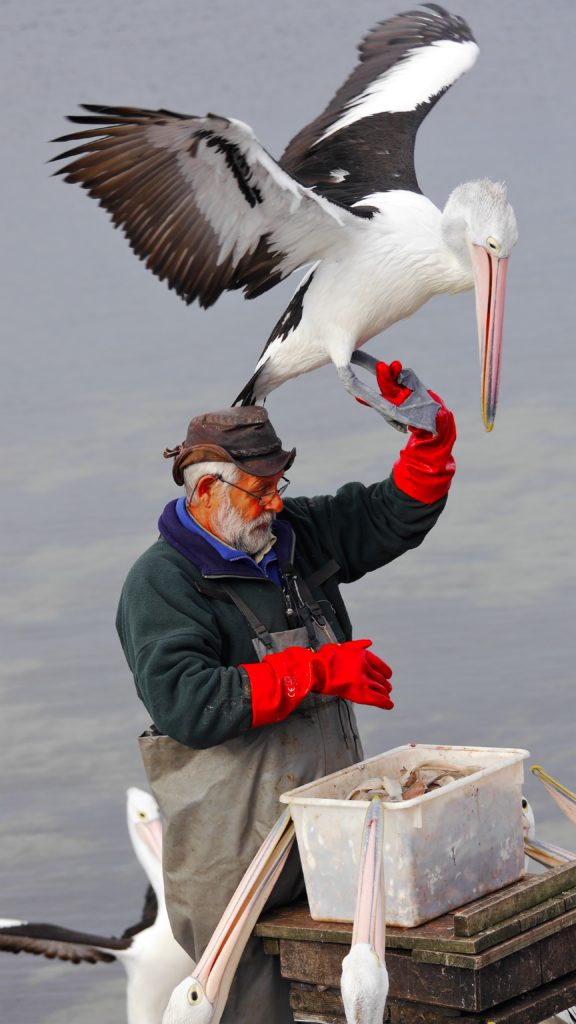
[321, 964]
[558, 954]
[314, 998]
[499, 952]
[415, 1013]
[295, 923]
[271, 946]
[418, 980]
[570, 899]
[318, 1018]
[513, 899]
[446, 942]
[530, 1008]
[311, 1002]
[315, 1004]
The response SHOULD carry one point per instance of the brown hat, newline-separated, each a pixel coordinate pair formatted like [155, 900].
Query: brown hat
[243, 435]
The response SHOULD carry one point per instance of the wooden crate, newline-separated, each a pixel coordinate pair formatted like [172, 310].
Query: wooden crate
[509, 958]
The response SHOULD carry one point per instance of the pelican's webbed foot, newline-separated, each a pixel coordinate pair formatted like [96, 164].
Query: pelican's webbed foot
[418, 410]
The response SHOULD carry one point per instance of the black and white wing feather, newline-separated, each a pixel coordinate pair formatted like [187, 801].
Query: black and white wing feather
[364, 141]
[51, 941]
[54, 942]
[200, 200]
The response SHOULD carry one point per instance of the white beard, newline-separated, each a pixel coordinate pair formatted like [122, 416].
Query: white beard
[235, 531]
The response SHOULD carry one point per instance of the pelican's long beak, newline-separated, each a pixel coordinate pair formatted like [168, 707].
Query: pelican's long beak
[565, 799]
[216, 968]
[151, 834]
[490, 282]
[369, 917]
[548, 854]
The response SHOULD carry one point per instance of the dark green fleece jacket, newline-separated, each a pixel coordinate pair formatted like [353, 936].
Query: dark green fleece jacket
[184, 646]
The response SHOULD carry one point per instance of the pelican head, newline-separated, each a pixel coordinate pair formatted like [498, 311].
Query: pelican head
[201, 997]
[145, 828]
[364, 981]
[528, 819]
[479, 226]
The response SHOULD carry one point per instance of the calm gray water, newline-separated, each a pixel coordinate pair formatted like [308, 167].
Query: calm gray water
[101, 367]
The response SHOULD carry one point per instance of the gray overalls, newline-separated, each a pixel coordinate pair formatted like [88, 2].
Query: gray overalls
[220, 803]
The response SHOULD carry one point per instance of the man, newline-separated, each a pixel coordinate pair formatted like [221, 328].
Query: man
[240, 645]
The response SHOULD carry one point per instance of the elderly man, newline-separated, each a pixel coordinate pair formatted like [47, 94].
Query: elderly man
[240, 645]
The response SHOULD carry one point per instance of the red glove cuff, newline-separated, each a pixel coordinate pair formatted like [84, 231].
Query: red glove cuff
[278, 684]
[426, 465]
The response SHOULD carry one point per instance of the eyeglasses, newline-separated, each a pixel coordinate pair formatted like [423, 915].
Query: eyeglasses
[267, 496]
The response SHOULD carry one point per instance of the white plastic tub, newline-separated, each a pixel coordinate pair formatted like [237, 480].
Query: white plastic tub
[441, 850]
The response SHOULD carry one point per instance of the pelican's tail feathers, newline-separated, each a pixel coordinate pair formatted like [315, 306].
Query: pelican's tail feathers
[248, 395]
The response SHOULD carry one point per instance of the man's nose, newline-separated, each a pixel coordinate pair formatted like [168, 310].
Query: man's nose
[274, 502]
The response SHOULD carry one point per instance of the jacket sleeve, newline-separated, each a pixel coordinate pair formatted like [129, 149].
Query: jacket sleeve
[362, 527]
[174, 649]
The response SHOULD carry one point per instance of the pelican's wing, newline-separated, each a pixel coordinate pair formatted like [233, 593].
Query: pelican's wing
[59, 943]
[149, 914]
[364, 141]
[200, 199]
[54, 942]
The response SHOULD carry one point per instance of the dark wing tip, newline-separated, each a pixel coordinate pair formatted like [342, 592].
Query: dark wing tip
[56, 943]
[414, 29]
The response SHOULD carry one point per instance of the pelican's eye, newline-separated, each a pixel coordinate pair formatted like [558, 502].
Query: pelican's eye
[524, 803]
[195, 994]
[142, 815]
[493, 245]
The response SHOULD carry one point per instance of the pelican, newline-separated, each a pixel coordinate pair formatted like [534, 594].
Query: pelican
[364, 982]
[528, 819]
[208, 209]
[201, 997]
[528, 829]
[154, 962]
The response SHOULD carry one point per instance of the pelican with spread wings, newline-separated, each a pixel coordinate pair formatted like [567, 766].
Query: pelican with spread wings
[208, 209]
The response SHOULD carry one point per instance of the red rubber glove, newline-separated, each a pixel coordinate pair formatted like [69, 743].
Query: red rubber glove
[426, 465]
[349, 670]
[281, 681]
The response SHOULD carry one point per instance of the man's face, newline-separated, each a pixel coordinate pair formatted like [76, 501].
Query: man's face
[243, 520]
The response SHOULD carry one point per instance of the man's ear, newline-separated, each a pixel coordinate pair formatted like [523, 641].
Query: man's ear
[204, 489]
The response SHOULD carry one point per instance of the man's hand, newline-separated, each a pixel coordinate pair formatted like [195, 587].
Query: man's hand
[280, 681]
[349, 670]
[426, 465]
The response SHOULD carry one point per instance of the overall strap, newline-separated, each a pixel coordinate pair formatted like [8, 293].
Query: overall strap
[316, 579]
[225, 592]
[259, 628]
